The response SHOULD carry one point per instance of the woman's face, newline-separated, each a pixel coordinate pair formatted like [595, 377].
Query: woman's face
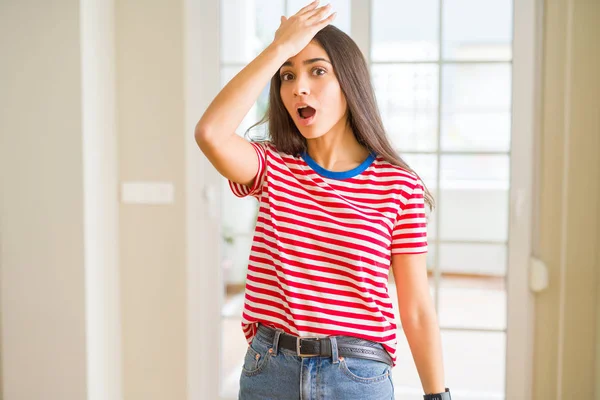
[308, 79]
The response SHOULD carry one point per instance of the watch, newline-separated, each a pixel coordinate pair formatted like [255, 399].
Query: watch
[438, 396]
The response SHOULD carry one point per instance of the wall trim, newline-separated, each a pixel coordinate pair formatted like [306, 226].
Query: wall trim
[525, 126]
[564, 200]
[202, 188]
[100, 201]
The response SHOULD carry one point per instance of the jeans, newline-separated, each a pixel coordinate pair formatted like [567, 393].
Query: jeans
[279, 374]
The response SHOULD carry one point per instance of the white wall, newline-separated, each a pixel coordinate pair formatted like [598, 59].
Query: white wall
[58, 231]
[61, 226]
[152, 241]
[42, 208]
[565, 339]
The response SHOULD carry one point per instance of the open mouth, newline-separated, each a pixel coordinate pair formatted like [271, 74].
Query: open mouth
[306, 112]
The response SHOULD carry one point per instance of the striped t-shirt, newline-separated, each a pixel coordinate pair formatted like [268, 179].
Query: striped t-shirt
[322, 246]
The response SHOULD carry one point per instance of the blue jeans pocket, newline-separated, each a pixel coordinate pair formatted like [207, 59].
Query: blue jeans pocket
[365, 371]
[256, 358]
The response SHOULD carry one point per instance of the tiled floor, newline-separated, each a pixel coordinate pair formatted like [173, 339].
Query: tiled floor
[474, 361]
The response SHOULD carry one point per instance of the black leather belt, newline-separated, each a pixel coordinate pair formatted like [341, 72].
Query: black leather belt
[348, 346]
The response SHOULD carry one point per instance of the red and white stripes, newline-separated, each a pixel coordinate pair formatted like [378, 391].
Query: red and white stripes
[322, 247]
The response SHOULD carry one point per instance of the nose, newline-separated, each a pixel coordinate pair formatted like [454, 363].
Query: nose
[301, 87]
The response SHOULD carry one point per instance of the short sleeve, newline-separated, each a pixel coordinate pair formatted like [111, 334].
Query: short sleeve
[410, 231]
[241, 190]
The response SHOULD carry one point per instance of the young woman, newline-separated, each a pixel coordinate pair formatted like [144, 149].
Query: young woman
[337, 209]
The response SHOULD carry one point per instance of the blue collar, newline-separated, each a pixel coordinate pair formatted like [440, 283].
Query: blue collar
[338, 174]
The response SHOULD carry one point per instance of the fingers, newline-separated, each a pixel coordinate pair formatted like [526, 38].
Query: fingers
[283, 19]
[319, 13]
[308, 7]
[328, 20]
[324, 22]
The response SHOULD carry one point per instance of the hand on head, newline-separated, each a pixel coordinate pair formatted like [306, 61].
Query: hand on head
[296, 32]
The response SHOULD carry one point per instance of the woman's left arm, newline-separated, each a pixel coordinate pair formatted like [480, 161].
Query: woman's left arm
[419, 319]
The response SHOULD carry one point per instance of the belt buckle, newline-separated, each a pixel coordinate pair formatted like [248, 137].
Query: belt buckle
[299, 346]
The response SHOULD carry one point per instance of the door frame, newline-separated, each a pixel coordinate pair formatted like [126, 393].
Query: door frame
[204, 291]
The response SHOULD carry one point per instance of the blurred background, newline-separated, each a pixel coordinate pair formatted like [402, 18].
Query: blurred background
[123, 253]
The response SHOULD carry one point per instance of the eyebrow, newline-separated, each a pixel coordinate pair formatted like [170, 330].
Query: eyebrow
[305, 62]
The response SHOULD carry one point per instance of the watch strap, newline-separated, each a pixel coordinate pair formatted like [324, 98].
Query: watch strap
[438, 396]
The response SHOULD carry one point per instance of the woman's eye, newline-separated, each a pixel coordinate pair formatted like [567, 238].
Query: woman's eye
[317, 71]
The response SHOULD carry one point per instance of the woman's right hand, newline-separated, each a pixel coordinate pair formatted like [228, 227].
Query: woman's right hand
[296, 32]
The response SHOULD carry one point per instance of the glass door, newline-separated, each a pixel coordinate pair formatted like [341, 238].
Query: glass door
[442, 72]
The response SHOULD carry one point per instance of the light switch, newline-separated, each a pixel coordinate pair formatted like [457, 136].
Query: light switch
[147, 193]
[538, 275]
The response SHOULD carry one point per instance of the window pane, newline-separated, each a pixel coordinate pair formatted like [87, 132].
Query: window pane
[234, 347]
[247, 27]
[407, 96]
[474, 198]
[473, 259]
[234, 260]
[268, 17]
[342, 19]
[474, 171]
[474, 294]
[256, 112]
[476, 87]
[405, 30]
[476, 107]
[430, 254]
[238, 215]
[425, 165]
[472, 131]
[472, 303]
[475, 362]
[477, 30]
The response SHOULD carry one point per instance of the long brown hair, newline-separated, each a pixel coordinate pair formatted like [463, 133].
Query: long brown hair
[363, 115]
